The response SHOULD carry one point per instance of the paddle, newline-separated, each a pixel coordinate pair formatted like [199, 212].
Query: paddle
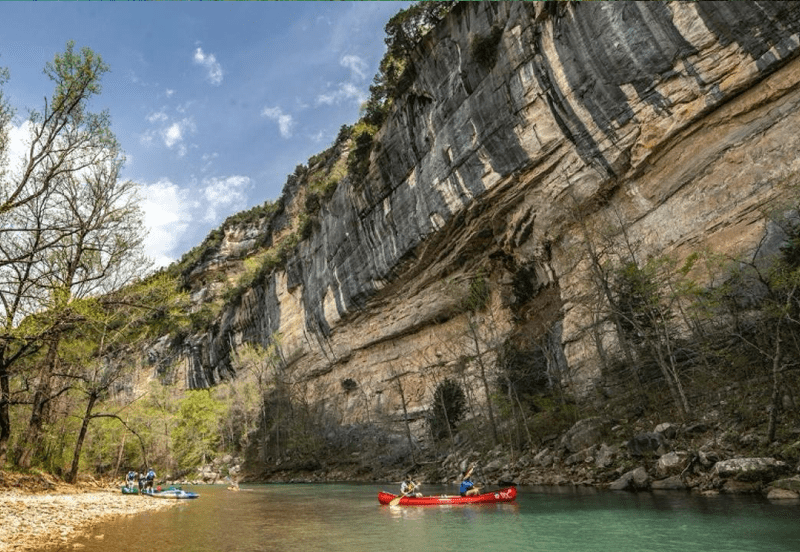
[396, 500]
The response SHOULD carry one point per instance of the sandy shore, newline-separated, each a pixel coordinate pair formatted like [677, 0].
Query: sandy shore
[35, 521]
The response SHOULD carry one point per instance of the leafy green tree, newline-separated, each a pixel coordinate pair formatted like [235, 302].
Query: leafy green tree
[122, 320]
[196, 435]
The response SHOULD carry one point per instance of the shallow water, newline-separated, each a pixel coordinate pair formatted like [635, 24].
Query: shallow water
[348, 518]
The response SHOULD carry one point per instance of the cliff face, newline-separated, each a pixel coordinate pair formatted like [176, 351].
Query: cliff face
[675, 120]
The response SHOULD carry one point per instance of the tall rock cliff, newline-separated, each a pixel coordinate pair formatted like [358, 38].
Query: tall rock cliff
[526, 125]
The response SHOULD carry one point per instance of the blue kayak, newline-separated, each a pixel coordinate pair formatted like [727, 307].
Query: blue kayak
[171, 493]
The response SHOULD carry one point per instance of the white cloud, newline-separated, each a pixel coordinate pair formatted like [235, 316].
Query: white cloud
[172, 134]
[346, 91]
[170, 92]
[284, 120]
[357, 65]
[224, 196]
[19, 140]
[157, 117]
[208, 161]
[168, 216]
[173, 213]
[147, 139]
[213, 68]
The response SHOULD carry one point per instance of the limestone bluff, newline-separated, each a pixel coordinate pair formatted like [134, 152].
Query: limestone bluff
[678, 119]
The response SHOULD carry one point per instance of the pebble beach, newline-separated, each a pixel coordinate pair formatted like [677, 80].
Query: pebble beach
[35, 520]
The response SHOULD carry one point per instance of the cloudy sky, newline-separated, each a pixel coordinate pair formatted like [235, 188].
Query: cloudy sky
[214, 103]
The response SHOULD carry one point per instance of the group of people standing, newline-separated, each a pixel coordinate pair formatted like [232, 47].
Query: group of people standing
[145, 481]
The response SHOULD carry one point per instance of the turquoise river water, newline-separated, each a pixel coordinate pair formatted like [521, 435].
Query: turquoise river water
[347, 518]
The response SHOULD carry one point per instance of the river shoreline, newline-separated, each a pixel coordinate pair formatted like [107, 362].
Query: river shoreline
[40, 513]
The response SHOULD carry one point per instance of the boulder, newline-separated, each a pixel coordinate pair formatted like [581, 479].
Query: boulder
[586, 455]
[750, 469]
[645, 443]
[732, 486]
[669, 431]
[604, 456]
[671, 463]
[584, 434]
[783, 494]
[672, 483]
[707, 458]
[789, 484]
[634, 480]
[543, 458]
[495, 465]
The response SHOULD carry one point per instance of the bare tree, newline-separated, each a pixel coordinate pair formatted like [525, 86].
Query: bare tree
[66, 144]
[101, 252]
[396, 378]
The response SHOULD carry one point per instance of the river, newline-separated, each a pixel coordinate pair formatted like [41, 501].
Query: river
[347, 518]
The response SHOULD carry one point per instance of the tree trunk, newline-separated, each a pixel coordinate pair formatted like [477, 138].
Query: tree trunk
[73, 472]
[5, 399]
[775, 404]
[121, 452]
[405, 418]
[485, 381]
[41, 398]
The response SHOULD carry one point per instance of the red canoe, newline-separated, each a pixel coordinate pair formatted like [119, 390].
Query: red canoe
[501, 495]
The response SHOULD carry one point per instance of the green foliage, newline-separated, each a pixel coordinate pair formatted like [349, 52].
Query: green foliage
[358, 159]
[638, 299]
[403, 32]
[196, 434]
[211, 244]
[239, 417]
[477, 296]
[75, 75]
[257, 268]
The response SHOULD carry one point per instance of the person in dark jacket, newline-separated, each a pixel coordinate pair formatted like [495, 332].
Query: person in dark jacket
[149, 479]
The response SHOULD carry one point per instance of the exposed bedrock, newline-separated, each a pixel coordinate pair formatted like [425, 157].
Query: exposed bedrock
[676, 119]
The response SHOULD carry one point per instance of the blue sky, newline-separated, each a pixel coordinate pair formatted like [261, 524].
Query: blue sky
[214, 103]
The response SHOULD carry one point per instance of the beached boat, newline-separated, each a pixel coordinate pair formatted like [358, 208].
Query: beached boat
[172, 492]
[501, 495]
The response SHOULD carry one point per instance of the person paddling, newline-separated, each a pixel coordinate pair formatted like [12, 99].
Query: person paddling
[409, 487]
[468, 488]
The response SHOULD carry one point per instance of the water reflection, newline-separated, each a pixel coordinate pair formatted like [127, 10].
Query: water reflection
[347, 518]
[467, 511]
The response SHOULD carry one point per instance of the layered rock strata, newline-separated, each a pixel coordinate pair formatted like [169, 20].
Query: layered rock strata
[675, 120]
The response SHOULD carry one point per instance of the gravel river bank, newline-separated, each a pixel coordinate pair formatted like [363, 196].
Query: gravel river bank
[37, 513]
